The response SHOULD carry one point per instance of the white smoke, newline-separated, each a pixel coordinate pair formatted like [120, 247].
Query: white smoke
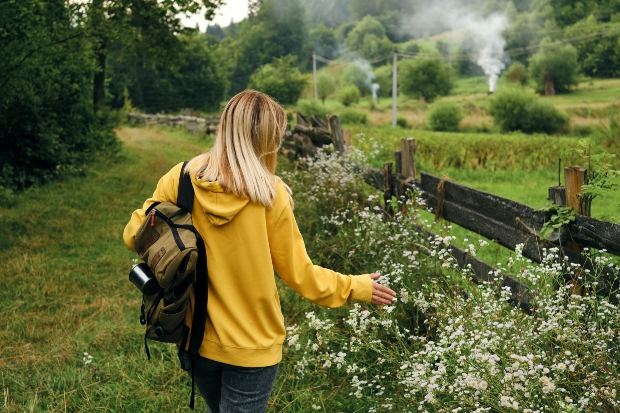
[486, 32]
[374, 88]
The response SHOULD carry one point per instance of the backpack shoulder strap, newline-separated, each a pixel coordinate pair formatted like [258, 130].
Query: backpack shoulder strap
[185, 197]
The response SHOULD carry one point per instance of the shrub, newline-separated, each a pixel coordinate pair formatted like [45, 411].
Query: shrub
[384, 80]
[325, 85]
[402, 122]
[516, 73]
[312, 107]
[444, 116]
[554, 69]
[514, 108]
[349, 95]
[359, 76]
[350, 115]
[424, 78]
[281, 80]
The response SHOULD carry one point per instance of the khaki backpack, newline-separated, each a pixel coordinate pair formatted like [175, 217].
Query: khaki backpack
[175, 253]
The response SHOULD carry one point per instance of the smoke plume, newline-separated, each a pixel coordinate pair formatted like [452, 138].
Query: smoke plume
[486, 32]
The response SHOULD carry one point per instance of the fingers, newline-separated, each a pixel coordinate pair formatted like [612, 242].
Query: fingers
[381, 294]
[375, 276]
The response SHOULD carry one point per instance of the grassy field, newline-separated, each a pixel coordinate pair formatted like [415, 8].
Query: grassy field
[64, 294]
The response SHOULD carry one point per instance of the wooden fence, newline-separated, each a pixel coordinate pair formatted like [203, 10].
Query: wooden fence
[504, 221]
[192, 124]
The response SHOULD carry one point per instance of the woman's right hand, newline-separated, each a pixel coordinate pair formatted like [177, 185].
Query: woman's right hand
[381, 294]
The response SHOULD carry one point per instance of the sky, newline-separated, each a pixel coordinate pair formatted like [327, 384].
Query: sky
[235, 9]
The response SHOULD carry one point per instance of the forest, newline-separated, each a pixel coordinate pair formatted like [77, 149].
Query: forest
[70, 68]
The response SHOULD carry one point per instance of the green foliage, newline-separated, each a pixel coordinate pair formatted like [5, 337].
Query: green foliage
[349, 95]
[48, 126]
[278, 29]
[312, 107]
[280, 80]
[516, 73]
[355, 74]
[353, 116]
[194, 79]
[368, 39]
[560, 216]
[402, 121]
[323, 41]
[325, 85]
[444, 116]
[514, 108]
[468, 67]
[601, 177]
[383, 77]
[554, 68]
[599, 56]
[424, 78]
[412, 48]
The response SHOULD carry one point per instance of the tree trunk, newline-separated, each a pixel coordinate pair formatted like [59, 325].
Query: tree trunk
[549, 89]
[99, 79]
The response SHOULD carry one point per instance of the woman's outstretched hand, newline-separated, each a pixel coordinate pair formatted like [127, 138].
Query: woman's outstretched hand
[381, 294]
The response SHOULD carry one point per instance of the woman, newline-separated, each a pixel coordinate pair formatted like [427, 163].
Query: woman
[245, 215]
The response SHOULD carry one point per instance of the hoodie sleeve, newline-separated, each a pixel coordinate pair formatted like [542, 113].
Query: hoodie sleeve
[166, 191]
[319, 285]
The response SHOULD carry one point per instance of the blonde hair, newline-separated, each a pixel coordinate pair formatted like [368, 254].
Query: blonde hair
[243, 158]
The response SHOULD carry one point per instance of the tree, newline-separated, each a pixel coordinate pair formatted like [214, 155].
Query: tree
[278, 29]
[47, 123]
[554, 69]
[383, 77]
[326, 85]
[516, 73]
[599, 56]
[360, 75]
[195, 79]
[426, 78]
[153, 23]
[281, 80]
[368, 39]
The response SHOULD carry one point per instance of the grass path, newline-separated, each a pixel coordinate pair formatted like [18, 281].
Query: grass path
[64, 290]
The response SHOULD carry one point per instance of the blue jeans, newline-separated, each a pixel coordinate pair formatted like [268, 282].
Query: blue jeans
[233, 389]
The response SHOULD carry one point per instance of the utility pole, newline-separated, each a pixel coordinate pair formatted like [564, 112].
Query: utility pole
[450, 52]
[314, 74]
[394, 86]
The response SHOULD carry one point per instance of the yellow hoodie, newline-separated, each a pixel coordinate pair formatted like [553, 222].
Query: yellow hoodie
[245, 243]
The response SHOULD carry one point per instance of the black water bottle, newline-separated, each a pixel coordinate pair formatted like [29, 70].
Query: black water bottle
[142, 277]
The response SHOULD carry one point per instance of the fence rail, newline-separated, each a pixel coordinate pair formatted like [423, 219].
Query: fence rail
[193, 124]
[508, 223]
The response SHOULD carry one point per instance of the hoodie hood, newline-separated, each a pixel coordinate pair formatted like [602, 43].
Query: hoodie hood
[220, 206]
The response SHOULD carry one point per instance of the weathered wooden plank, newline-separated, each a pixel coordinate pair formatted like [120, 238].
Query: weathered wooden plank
[492, 206]
[590, 232]
[337, 134]
[318, 136]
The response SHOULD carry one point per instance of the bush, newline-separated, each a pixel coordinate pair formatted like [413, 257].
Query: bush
[281, 80]
[554, 69]
[312, 107]
[350, 115]
[444, 116]
[325, 85]
[359, 76]
[516, 73]
[349, 95]
[424, 78]
[402, 121]
[515, 108]
[384, 80]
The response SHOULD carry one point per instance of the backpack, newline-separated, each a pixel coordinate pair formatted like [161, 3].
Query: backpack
[175, 253]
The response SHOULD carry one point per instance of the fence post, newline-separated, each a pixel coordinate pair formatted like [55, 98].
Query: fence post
[407, 148]
[346, 135]
[388, 182]
[398, 157]
[574, 178]
[558, 195]
[337, 135]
